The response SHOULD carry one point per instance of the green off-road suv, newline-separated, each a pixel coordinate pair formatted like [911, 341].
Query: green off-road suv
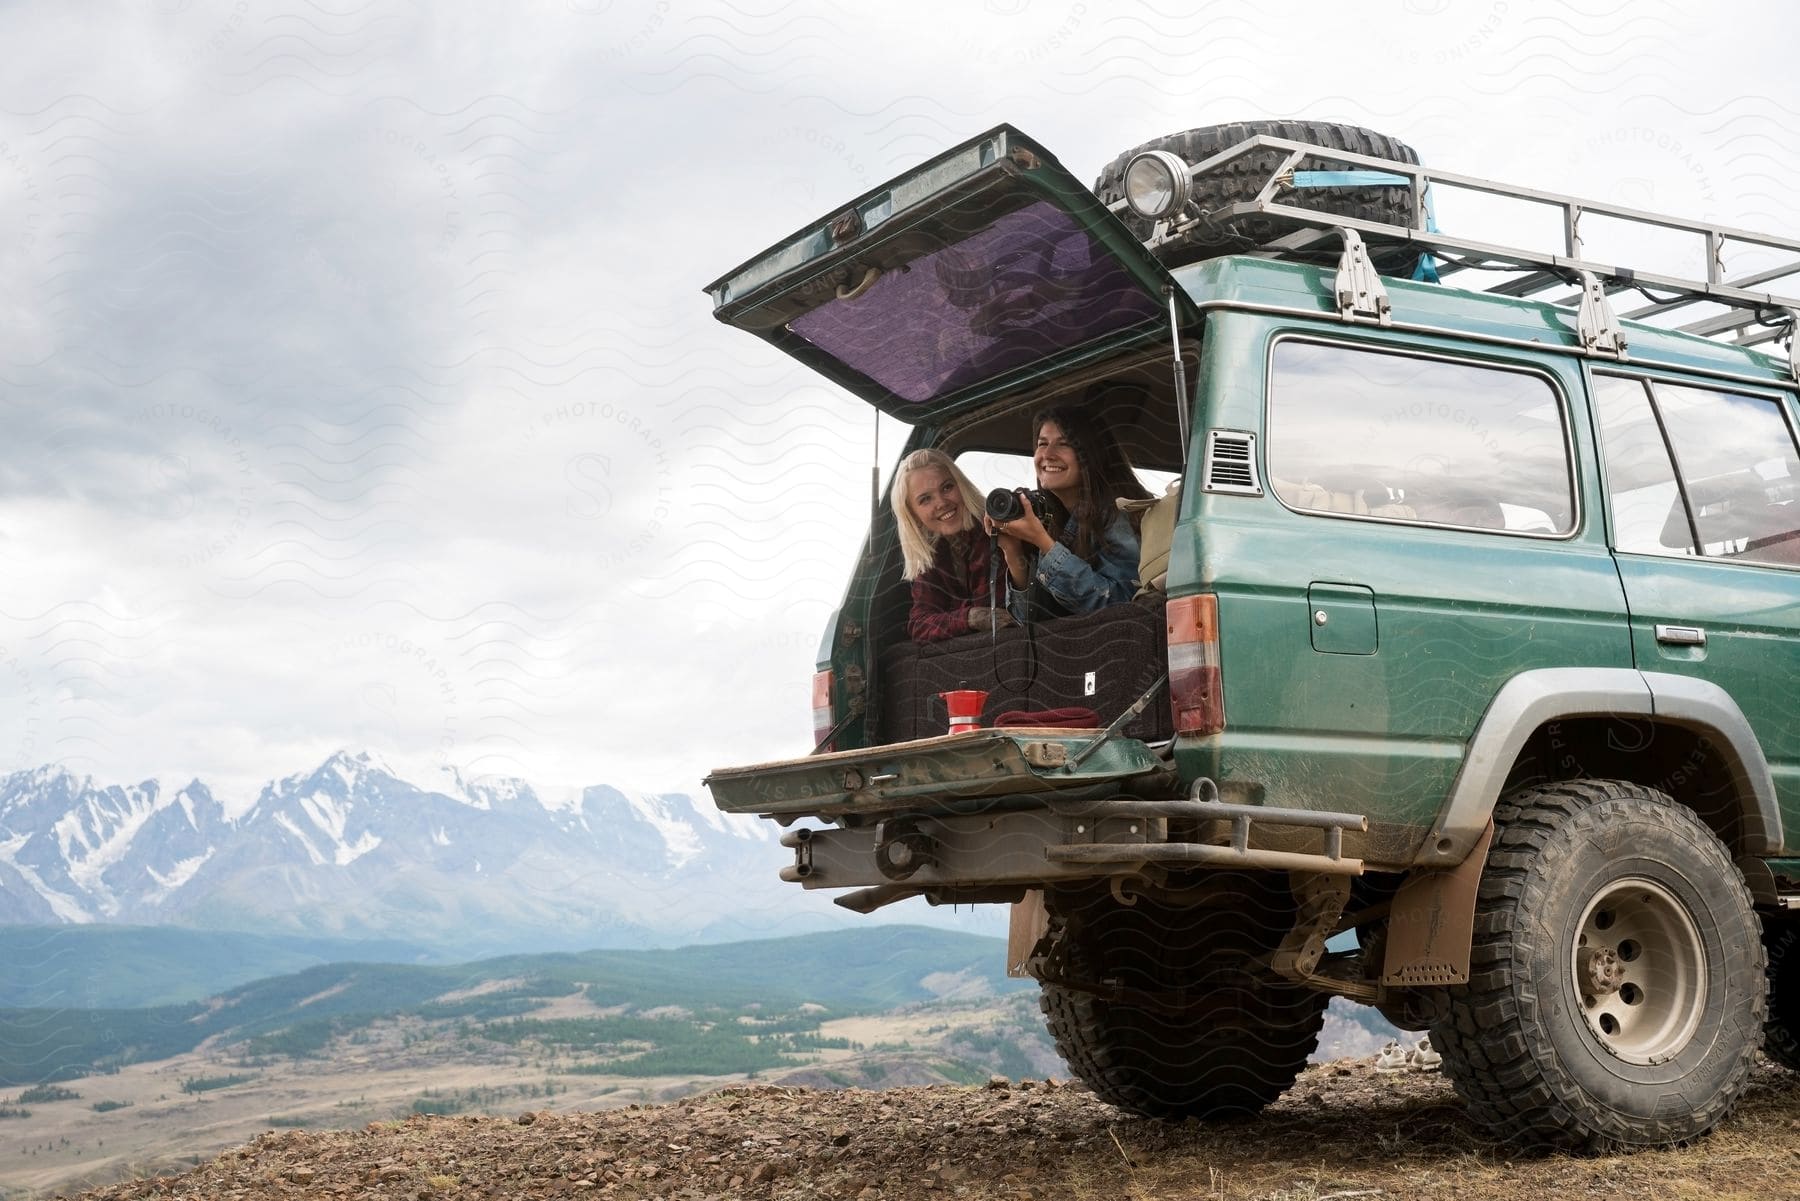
[1478, 639]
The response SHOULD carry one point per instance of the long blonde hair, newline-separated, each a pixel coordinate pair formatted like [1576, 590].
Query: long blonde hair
[917, 544]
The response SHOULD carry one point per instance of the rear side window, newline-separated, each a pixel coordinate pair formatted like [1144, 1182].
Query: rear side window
[1648, 516]
[1397, 437]
[1699, 471]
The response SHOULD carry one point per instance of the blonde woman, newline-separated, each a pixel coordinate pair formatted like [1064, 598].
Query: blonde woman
[946, 551]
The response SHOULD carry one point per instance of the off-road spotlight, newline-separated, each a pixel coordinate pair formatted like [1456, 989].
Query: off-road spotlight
[1157, 184]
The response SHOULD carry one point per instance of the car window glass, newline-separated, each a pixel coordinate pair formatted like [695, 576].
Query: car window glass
[1413, 439]
[990, 469]
[1648, 516]
[1737, 460]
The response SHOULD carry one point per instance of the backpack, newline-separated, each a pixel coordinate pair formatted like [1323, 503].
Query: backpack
[1155, 520]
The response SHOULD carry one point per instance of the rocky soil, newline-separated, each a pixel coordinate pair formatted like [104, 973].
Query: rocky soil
[1342, 1132]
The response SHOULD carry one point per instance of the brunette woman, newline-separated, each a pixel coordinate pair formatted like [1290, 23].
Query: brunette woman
[1092, 561]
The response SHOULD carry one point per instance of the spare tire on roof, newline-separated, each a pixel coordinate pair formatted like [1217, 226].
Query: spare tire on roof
[1244, 177]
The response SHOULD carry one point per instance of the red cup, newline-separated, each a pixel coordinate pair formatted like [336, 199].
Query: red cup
[965, 705]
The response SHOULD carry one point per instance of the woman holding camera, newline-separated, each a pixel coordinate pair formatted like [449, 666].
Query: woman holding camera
[1092, 561]
[947, 554]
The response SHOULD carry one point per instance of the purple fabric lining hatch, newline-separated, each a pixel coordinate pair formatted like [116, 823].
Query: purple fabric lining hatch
[1025, 287]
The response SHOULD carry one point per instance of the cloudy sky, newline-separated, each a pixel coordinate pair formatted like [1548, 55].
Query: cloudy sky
[359, 389]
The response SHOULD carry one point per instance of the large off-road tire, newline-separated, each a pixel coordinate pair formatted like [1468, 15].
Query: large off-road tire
[1781, 1032]
[1616, 993]
[1244, 177]
[1161, 1012]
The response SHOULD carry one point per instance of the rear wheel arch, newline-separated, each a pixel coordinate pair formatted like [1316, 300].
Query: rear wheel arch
[1685, 762]
[1676, 734]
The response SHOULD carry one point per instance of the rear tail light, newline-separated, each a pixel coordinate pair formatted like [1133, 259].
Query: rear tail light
[821, 707]
[1196, 689]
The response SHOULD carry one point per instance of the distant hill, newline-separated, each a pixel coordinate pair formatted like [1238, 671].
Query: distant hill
[131, 967]
[844, 972]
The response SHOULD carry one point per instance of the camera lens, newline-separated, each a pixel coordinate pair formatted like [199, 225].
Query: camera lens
[1003, 505]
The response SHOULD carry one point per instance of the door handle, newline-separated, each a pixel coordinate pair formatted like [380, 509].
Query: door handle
[1681, 635]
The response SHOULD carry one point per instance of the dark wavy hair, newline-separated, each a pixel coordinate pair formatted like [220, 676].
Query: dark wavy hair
[1106, 474]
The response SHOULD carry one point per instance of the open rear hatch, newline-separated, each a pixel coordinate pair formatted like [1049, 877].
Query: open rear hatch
[942, 287]
[954, 279]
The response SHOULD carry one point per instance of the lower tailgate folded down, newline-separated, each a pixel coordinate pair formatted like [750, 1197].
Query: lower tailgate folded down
[980, 768]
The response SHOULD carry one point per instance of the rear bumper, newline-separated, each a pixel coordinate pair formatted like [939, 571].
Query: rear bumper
[980, 856]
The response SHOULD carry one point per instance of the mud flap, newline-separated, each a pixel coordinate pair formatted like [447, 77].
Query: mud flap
[1432, 922]
[1026, 927]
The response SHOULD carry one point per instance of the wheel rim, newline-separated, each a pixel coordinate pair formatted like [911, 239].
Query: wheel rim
[1639, 969]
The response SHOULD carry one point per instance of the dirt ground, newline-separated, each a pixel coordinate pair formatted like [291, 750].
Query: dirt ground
[159, 1126]
[152, 1125]
[1342, 1132]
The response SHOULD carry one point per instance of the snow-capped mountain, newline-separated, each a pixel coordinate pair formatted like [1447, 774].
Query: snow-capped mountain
[351, 848]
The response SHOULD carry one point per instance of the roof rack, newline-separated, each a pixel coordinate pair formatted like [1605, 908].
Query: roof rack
[1751, 317]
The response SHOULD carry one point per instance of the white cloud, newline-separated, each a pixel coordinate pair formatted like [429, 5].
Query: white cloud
[360, 390]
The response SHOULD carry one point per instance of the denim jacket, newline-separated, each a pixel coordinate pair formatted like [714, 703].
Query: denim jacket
[1078, 586]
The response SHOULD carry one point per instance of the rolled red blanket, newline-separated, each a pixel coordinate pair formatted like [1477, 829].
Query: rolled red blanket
[1070, 718]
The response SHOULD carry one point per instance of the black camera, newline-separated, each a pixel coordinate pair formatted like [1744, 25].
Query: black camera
[1008, 504]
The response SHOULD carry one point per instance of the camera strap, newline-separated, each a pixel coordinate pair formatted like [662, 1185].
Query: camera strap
[1027, 624]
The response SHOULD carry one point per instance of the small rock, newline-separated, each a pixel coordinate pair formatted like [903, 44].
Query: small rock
[300, 1175]
[998, 1084]
[526, 1119]
[764, 1173]
[840, 1136]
